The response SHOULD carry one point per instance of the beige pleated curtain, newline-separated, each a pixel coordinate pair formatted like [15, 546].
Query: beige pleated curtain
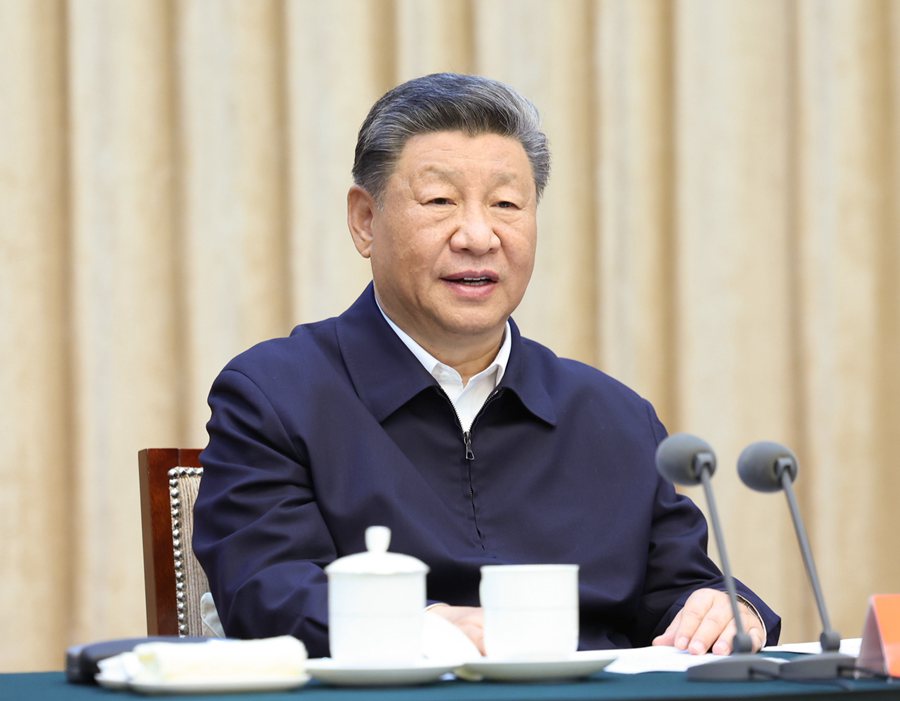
[720, 232]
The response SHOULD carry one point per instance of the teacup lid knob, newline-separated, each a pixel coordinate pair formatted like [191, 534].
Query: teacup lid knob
[376, 559]
[378, 538]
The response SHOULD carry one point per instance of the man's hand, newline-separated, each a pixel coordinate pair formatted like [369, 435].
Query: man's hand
[469, 619]
[706, 623]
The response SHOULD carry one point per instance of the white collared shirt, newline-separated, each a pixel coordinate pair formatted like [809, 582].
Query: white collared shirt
[467, 399]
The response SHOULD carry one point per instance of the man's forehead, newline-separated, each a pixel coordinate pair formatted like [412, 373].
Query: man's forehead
[447, 155]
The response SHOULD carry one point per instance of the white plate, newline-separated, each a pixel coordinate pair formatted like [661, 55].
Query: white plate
[576, 666]
[222, 686]
[329, 671]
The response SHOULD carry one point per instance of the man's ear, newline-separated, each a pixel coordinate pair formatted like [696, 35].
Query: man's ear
[360, 215]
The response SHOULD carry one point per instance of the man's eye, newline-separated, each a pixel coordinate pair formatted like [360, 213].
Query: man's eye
[440, 200]
[506, 204]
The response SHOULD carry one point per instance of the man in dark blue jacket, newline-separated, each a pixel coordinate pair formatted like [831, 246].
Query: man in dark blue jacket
[422, 408]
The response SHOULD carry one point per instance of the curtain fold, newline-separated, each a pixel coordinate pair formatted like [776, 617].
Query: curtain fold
[36, 515]
[733, 268]
[849, 344]
[123, 305]
[720, 231]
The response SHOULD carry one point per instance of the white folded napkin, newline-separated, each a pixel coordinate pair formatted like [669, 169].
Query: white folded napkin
[444, 641]
[283, 657]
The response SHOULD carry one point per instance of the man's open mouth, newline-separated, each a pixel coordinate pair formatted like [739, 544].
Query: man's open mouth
[472, 280]
[475, 281]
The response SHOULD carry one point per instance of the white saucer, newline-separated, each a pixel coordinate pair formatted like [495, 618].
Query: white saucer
[576, 666]
[329, 671]
[226, 686]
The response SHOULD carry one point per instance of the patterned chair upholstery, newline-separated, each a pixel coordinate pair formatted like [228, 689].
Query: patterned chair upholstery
[174, 582]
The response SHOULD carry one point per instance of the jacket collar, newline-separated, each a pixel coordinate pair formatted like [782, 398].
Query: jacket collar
[524, 376]
[386, 375]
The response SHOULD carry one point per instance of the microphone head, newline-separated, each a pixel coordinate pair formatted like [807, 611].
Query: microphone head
[761, 466]
[830, 640]
[681, 458]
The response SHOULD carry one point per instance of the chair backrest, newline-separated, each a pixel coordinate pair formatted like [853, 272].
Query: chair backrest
[173, 579]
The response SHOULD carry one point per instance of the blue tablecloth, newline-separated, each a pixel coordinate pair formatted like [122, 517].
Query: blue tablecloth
[52, 686]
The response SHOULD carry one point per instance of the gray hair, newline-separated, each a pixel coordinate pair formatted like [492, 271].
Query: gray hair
[445, 102]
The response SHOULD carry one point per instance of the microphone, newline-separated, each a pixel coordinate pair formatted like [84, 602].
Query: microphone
[770, 467]
[687, 460]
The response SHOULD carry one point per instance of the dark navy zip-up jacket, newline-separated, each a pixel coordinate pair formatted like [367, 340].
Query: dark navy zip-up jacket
[338, 427]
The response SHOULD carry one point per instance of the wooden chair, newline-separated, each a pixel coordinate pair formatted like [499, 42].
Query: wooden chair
[173, 579]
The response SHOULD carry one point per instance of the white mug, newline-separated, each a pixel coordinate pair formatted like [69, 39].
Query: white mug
[530, 610]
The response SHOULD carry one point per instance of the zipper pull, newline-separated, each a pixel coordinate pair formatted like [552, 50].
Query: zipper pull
[467, 439]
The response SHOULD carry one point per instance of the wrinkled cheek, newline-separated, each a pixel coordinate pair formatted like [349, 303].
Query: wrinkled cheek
[526, 268]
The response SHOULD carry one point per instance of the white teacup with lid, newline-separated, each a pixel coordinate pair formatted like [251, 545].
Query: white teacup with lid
[376, 604]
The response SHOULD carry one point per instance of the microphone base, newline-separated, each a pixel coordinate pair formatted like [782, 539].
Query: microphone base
[734, 668]
[825, 665]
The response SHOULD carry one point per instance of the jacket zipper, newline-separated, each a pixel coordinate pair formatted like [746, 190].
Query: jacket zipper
[470, 454]
[467, 435]
[467, 440]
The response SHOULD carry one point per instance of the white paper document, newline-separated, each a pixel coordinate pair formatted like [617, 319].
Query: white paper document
[849, 646]
[661, 658]
[656, 658]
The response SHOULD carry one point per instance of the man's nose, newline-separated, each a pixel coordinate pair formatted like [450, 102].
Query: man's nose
[475, 233]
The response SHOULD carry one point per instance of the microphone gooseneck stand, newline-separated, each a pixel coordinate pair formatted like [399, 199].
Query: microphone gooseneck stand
[770, 467]
[741, 663]
[688, 460]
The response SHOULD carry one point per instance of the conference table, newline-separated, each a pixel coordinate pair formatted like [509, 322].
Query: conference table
[603, 686]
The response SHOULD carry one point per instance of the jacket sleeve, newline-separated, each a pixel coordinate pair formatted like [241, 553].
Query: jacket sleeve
[678, 563]
[258, 532]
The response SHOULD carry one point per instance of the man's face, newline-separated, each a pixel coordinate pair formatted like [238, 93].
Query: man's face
[452, 246]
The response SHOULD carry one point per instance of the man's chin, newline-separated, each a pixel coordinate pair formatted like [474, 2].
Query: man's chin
[463, 330]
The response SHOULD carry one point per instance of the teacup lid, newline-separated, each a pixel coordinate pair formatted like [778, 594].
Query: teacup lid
[376, 559]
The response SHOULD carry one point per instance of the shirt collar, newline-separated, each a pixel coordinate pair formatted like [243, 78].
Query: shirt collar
[435, 367]
[386, 375]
